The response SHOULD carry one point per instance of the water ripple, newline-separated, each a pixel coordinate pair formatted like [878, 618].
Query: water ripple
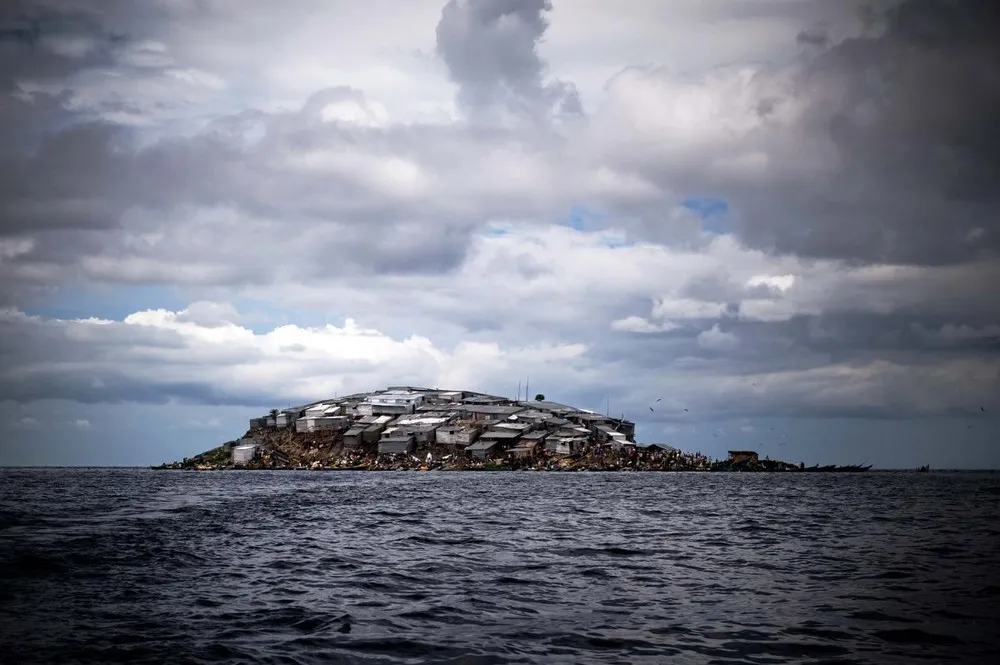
[101, 566]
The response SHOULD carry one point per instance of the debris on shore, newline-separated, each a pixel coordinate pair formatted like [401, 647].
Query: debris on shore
[406, 428]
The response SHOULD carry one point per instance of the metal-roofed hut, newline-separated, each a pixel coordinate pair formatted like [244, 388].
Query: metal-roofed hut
[459, 434]
[397, 444]
[353, 437]
[489, 412]
[483, 450]
[526, 448]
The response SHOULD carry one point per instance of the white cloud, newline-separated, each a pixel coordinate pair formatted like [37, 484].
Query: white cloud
[81, 423]
[25, 423]
[331, 159]
[718, 340]
[637, 324]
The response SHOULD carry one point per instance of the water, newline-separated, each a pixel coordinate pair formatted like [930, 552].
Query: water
[141, 566]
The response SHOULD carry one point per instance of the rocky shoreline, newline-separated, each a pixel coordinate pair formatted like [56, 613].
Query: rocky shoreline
[603, 462]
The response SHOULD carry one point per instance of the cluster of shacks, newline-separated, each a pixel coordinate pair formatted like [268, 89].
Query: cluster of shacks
[401, 420]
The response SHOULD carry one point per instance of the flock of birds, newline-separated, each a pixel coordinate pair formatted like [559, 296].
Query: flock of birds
[715, 434]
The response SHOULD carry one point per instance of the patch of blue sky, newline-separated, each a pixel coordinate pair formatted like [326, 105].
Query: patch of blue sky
[262, 317]
[588, 220]
[496, 231]
[712, 210]
[584, 218]
[614, 240]
[110, 302]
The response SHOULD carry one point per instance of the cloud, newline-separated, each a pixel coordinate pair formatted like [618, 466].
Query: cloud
[81, 423]
[461, 192]
[717, 340]
[490, 49]
[158, 356]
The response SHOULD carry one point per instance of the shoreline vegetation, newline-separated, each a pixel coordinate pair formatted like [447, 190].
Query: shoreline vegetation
[422, 429]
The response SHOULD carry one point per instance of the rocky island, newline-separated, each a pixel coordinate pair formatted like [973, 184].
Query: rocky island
[404, 427]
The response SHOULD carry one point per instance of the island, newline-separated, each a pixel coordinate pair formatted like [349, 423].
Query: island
[410, 428]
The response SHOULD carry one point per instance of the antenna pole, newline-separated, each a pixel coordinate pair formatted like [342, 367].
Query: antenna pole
[527, 382]
[519, 390]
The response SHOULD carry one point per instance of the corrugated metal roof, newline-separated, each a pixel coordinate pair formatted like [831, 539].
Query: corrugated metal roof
[490, 408]
[500, 434]
[481, 445]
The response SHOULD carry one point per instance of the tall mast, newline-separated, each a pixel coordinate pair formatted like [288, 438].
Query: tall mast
[519, 390]
[527, 382]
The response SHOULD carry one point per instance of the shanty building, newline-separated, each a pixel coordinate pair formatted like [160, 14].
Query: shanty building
[514, 426]
[458, 434]
[323, 417]
[485, 400]
[562, 445]
[555, 422]
[374, 420]
[656, 447]
[245, 453]
[605, 433]
[617, 440]
[373, 427]
[373, 433]
[397, 444]
[534, 435]
[422, 433]
[526, 448]
[394, 403]
[592, 421]
[505, 438]
[286, 418]
[360, 409]
[532, 416]
[551, 407]
[489, 412]
[626, 427]
[449, 396]
[353, 437]
[483, 450]
[742, 456]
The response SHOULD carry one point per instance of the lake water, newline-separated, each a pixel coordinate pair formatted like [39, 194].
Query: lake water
[289, 567]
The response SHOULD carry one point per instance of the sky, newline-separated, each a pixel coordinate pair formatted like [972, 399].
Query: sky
[765, 224]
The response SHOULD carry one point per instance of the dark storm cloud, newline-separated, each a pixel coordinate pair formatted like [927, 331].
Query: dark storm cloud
[39, 41]
[490, 49]
[89, 175]
[813, 36]
[76, 179]
[912, 113]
